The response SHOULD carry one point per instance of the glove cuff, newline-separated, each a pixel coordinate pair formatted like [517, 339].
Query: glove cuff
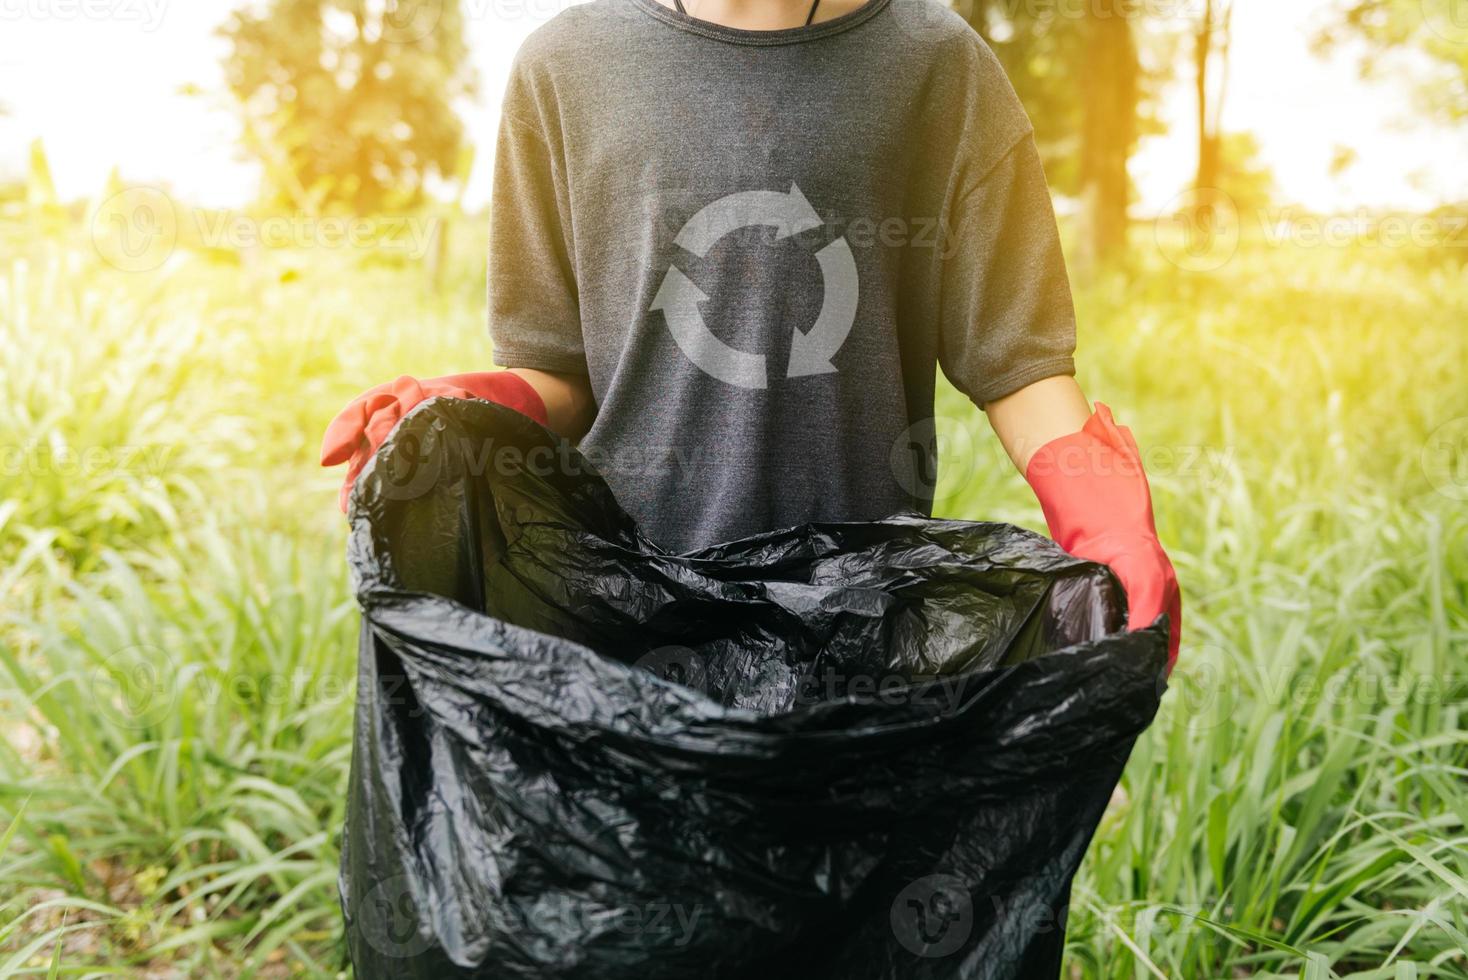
[503, 388]
[1091, 484]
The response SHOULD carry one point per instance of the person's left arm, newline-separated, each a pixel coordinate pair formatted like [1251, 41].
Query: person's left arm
[1007, 335]
[1087, 473]
[1037, 414]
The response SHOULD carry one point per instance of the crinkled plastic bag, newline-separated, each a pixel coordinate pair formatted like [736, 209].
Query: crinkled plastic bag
[844, 751]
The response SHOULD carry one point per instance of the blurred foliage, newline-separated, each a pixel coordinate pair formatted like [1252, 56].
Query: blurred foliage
[1241, 173]
[1391, 28]
[1091, 77]
[1043, 54]
[349, 104]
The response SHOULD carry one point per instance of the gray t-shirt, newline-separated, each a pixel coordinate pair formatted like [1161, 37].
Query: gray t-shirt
[759, 246]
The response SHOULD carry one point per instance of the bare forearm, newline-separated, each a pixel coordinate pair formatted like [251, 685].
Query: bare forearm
[569, 405]
[1037, 414]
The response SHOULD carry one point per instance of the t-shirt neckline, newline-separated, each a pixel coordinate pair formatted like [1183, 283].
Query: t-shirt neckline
[783, 35]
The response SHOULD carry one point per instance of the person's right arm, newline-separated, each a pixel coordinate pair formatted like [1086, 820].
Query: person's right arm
[569, 406]
[534, 296]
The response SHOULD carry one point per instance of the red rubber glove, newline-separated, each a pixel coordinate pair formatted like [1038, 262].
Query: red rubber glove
[360, 428]
[1097, 503]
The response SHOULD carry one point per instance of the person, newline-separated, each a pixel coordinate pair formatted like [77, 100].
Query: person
[731, 245]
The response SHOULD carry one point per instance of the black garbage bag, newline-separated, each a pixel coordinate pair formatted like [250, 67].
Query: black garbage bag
[843, 751]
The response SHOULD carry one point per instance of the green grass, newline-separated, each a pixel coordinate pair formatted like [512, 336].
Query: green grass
[177, 636]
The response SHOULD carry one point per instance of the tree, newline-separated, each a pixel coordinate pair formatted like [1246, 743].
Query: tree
[1242, 174]
[1078, 70]
[1435, 28]
[1041, 53]
[348, 104]
[1109, 130]
[1211, 45]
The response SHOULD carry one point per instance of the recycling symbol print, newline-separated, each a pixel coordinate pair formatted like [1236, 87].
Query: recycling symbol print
[811, 350]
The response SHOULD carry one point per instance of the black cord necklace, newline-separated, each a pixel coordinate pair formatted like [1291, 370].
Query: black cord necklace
[808, 17]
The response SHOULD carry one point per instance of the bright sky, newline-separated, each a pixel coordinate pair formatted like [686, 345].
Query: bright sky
[98, 81]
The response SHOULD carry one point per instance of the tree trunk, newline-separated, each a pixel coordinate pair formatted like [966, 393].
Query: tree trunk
[1207, 144]
[1211, 45]
[1108, 130]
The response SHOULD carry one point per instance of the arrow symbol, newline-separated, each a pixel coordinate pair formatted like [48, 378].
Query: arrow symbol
[811, 353]
[790, 214]
[679, 298]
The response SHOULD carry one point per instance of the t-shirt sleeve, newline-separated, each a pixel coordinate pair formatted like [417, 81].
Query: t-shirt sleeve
[534, 313]
[1007, 318]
